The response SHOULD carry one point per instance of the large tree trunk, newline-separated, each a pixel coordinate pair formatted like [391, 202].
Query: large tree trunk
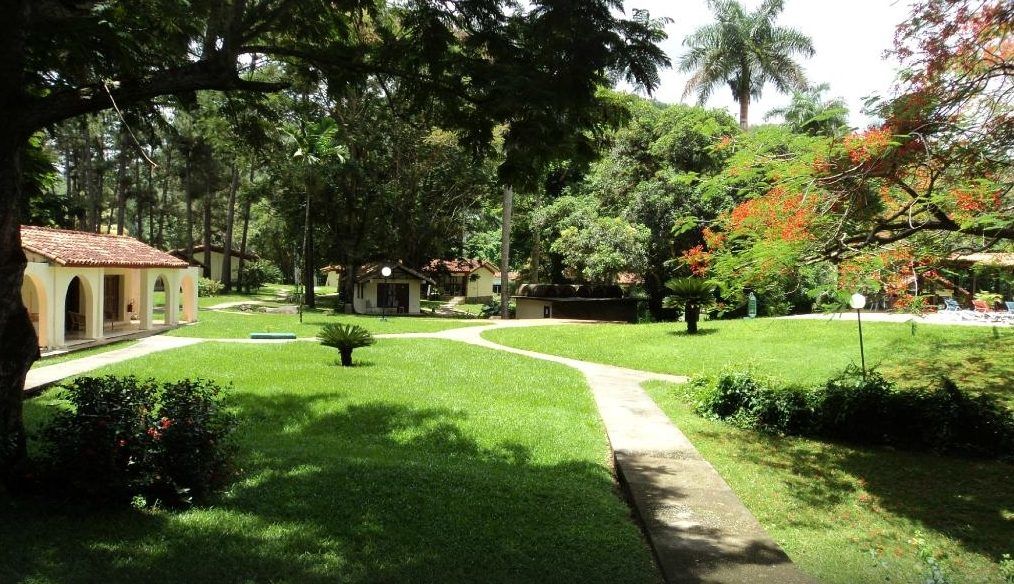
[230, 216]
[505, 248]
[189, 190]
[121, 182]
[242, 239]
[207, 233]
[309, 299]
[19, 345]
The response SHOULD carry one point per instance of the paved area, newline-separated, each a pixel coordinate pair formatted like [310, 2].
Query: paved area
[227, 305]
[962, 318]
[41, 377]
[698, 528]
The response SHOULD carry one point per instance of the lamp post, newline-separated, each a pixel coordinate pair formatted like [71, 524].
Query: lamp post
[858, 302]
[386, 273]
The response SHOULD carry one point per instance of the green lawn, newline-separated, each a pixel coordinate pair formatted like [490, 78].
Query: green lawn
[406, 468]
[800, 351]
[82, 353]
[214, 324]
[848, 514]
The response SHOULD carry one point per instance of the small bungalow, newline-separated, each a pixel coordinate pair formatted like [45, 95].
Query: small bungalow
[217, 260]
[397, 293]
[80, 286]
[579, 302]
[332, 276]
[476, 280]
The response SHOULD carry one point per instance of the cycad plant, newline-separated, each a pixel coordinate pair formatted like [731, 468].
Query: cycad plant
[690, 295]
[345, 338]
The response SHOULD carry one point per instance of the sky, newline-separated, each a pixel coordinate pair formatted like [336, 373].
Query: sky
[849, 36]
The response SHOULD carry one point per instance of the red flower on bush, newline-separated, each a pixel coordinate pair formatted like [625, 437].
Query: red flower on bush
[164, 423]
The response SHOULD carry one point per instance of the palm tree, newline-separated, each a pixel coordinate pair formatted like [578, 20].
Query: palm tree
[345, 338]
[691, 295]
[315, 146]
[810, 114]
[746, 51]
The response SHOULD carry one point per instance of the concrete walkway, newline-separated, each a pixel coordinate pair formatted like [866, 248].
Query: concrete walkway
[962, 318]
[41, 377]
[698, 528]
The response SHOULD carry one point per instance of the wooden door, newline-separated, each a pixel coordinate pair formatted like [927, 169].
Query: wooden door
[111, 301]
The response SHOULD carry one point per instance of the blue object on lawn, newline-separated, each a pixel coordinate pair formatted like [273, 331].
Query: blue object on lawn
[951, 304]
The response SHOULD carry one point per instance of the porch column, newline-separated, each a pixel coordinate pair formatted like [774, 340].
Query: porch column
[171, 283]
[145, 301]
[95, 312]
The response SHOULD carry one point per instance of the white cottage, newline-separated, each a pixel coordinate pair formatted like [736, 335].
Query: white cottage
[398, 293]
[82, 286]
[476, 280]
[217, 260]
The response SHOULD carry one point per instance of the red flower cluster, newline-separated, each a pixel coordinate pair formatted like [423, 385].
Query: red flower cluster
[698, 260]
[868, 145]
[778, 214]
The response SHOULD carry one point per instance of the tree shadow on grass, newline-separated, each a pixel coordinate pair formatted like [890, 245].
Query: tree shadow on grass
[375, 492]
[700, 333]
[968, 500]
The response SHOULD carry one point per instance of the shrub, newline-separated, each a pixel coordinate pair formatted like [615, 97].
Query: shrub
[124, 438]
[345, 338]
[863, 409]
[208, 287]
[256, 274]
[492, 308]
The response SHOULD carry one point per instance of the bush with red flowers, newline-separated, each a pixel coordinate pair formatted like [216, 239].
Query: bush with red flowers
[124, 437]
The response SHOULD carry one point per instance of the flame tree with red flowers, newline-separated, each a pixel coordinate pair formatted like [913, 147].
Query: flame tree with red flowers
[933, 179]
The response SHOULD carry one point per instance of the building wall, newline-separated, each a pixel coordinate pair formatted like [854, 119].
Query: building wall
[482, 288]
[46, 286]
[533, 308]
[333, 280]
[365, 298]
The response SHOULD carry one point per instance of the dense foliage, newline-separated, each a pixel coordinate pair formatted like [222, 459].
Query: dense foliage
[867, 409]
[125, 437]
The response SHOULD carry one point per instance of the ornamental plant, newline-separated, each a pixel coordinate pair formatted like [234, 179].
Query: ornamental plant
[345, 338]
[690, 295]
[125, 438]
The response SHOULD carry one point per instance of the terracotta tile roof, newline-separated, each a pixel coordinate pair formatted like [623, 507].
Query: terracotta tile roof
[81, 248]
[458, 266]
[399, 270]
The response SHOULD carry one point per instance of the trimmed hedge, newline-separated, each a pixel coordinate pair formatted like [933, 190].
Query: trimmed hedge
[864, 410]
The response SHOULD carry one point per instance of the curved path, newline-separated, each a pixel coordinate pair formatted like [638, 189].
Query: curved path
[698, 528]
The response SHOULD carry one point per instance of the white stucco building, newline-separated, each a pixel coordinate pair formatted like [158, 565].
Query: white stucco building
[217, 260]
[398, 293]
[81, 286]
[476, 280]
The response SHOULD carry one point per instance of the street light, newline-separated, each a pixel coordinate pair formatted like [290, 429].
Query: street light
[858, 302]
[386, 273]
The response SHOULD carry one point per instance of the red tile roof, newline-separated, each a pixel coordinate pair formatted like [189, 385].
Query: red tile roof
[459, 266]
[81, 248]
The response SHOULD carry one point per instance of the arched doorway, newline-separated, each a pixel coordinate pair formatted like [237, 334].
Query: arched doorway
[159, 300]
[77, 309]
[33, 296]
